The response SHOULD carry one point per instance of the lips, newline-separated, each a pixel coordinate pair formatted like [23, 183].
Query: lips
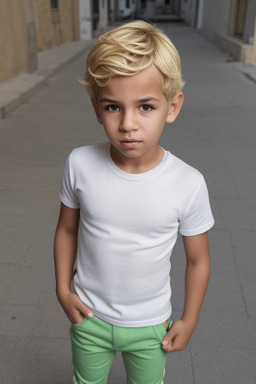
[130, 143]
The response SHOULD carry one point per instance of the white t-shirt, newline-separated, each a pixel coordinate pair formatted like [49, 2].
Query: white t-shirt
[128, 227]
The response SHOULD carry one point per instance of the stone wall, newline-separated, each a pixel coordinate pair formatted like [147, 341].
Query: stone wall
[14, 50]
[31, 26]
[55, 27]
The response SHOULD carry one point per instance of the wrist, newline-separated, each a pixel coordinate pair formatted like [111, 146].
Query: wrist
[62, 291]
[190, 320]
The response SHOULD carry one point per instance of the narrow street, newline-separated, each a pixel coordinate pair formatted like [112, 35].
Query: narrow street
[216, 133]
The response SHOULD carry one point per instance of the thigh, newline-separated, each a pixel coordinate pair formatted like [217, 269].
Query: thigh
[145, 364]
[91, 351]
[145, 367]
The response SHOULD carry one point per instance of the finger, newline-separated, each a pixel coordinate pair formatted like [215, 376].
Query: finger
[169, 338]
[171, 347]
[86, 311]
[168, 348]
[77, 319]
[176, 344]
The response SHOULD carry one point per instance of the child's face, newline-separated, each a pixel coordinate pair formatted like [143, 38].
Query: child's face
[133, 111]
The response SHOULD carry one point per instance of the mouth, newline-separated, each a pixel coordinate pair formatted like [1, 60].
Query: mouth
[130, 143]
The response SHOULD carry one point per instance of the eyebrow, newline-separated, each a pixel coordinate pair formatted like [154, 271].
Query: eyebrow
[146, 100]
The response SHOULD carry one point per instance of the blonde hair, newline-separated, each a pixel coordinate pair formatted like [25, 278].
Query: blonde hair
[128, 49]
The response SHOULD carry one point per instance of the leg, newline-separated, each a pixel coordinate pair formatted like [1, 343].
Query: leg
[145, 361]
[91, 351]
[145, 367]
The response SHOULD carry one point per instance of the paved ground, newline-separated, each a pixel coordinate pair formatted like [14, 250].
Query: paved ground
[216, 133]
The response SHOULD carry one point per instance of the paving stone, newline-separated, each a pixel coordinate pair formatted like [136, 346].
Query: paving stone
[45, 361]
[25, 284]
[14, 245]
[40, 251]
[223, 365]
[225, 330]
[16, 319]
[224, 292]
[49, 320]
[11, 352]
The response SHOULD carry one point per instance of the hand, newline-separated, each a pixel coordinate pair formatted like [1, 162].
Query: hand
[178, 336]
[74, 308]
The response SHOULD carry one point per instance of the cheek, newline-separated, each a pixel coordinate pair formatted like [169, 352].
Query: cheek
[157, 123]
[110, 120]
[110, 126]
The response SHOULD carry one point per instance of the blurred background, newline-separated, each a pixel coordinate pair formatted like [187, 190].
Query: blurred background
[28, 27]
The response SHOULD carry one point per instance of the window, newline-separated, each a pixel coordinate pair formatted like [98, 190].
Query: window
[144, 4]
[54, 4]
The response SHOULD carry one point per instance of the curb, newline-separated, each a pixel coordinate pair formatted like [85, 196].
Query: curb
[19, 89]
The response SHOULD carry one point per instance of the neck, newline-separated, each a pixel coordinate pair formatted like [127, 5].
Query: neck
[141, 164]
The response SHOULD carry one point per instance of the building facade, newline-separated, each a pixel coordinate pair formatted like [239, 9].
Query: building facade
[158, 9]
[231, 24]
[56, 22]
[94, 17]
[31, 26]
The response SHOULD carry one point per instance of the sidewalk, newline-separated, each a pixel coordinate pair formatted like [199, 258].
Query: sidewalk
[214, 133]
[18, 90]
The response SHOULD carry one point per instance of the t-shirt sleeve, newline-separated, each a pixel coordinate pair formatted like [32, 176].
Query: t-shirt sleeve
[198, 218]
[67, 190]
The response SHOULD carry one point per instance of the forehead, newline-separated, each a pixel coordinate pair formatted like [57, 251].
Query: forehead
[145, 83]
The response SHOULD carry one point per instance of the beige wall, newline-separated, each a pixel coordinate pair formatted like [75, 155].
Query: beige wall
[13, 39]
[30, 26]
[55, 27]
[66, 20]
[45, 37]
[218, 23]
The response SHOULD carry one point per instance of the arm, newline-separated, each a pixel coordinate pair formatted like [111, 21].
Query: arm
[65, 248]
[196, 281]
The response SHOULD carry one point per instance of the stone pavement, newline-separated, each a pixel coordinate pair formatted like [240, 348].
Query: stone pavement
[215, 133]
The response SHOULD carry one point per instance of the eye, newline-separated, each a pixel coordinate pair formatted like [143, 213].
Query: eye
[111, 108]
[146, 107]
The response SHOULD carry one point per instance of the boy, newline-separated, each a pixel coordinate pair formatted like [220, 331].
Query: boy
[123, 204]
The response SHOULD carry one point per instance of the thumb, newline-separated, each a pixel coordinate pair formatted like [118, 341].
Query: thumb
[169, 338]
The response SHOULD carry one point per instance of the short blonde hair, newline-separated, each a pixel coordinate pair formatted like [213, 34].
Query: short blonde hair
[128, 49]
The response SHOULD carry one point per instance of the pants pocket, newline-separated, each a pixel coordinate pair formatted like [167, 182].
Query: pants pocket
[168, 325]
[161, 331]
[80, 325]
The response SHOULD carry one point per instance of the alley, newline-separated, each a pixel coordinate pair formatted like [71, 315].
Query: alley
[216, 133]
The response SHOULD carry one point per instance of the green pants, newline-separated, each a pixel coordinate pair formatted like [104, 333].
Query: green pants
[95, 343]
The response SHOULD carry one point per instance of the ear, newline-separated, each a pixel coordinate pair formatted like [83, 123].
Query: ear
[96, 109]
[175, 107]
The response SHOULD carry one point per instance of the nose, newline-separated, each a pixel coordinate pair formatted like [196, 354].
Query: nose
[129, 121]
